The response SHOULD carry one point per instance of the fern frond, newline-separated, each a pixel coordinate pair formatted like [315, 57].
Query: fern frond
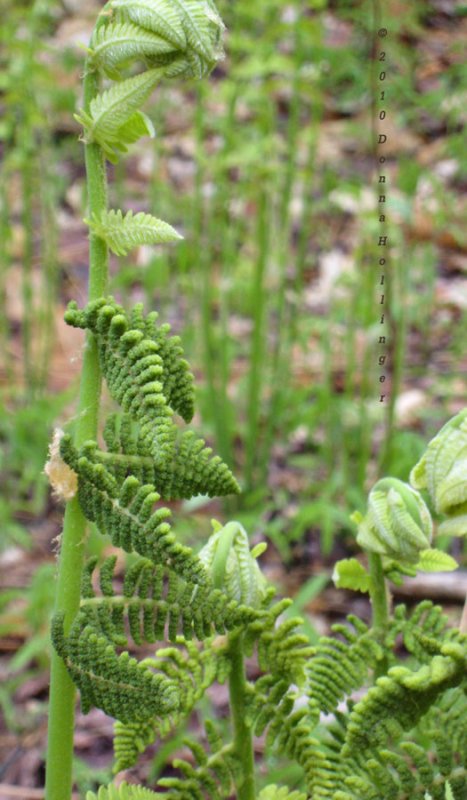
[116, 43]
[422, 630]
[282, 651]
[159, 16]
[145, 354]
[117, 684]
[157, 604]
[126, 791]
[193, 29]
[194, 670]
[413, 771]
[177, 377]
[134, 372]
[126, 515]
[406, 771]
[274, 792]
[192, 470]
[147, 374]
[123, 233]
[196, 24]
[114, 120]
[213, 774]
[398, 700]
[339, 666]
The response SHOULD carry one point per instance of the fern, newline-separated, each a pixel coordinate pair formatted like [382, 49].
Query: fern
[398, 701]
[123, 233]
[114, 44]
[123, 792]
[215, 773]
[117, 684]
[114, 120]
[412, 770]
[126, 515]
[157, 604]
[133, 366]
[193, 28]
[159, 16]
[353, 714]
[274, 792]
[193, 470]
[195, 671]
[340, 666]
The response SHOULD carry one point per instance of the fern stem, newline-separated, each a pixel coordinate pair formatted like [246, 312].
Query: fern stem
[62, 690]
[243, 741]
[379, 603]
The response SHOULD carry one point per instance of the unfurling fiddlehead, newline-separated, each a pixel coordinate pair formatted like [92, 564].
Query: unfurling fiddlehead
[442, 471]
[170, 37]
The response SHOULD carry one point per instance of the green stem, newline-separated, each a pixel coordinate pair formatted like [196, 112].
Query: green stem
[379, 604]
[256, 369]
[62, 690]
[243, 740]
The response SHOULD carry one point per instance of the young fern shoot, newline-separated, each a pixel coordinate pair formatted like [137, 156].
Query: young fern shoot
[214, 609]
[218, 597]
[165, 39]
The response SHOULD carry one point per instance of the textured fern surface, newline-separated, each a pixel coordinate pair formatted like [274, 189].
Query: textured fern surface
[170, 38]
[377, 750]
[125, 791]
[114, 120]
[435, 768]
[194, 670]
[117, 684]
[124, 233]
[274, 792]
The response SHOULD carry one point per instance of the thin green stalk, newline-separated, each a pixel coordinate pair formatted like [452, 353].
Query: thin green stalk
[217, 402]
[49, 258]
[396, 291]
[258, 305]
[62, 690]
[281, 356]
[243, 742]
[27, 191]
[379, 604]
[227, 265]
[5, 236]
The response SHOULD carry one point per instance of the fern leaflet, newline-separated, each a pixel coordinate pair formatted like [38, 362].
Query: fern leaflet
[114, 120]
[123, 233]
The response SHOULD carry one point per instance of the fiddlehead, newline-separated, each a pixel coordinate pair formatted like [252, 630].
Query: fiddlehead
[397, 524]
[170, 38]
[441, 471]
